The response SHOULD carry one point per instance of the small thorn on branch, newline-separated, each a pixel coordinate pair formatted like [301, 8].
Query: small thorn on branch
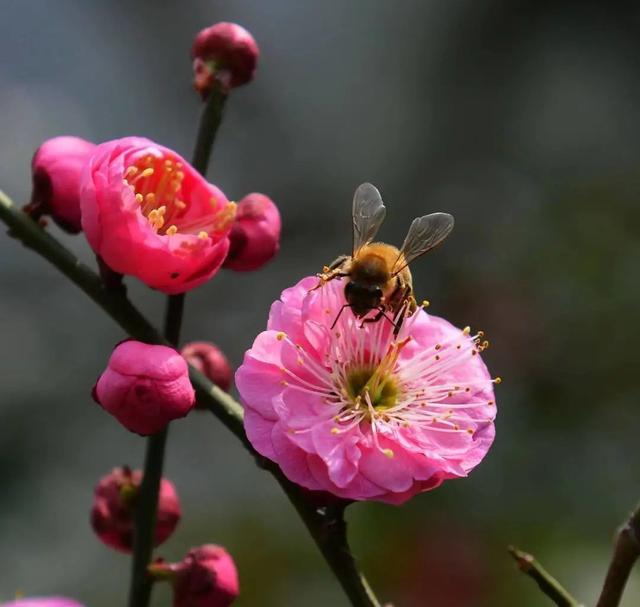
[547, 583]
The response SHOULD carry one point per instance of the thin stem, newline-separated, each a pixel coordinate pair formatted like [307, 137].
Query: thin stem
[145, 520]
[210, 120]
[625, 555]
[173, 319]
[224, 407]
[547, 583]
[147, 506]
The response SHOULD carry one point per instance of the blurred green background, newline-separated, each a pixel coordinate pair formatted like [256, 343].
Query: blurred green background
[519, 117]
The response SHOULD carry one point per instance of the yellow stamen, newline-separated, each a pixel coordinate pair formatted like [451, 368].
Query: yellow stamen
[203, 235]
[171, 230]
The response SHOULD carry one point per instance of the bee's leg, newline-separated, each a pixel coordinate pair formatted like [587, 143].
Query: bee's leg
[381, 313]
[338, 261]
[335, 270]
[406, 308]
[339, 315]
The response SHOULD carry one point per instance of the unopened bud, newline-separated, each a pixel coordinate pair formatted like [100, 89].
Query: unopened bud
[56, 168]
[206, 577]
[226, 53]
[255, 234]
[112, 514]
[145, 387]
[210, 361]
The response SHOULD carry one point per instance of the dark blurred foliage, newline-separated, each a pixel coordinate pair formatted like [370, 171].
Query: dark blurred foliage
[519, 117]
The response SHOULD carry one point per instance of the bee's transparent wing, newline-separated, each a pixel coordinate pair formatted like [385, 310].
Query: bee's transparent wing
[424, 234]
[368, 215]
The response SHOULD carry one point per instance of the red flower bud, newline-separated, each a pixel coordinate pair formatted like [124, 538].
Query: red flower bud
[145, 386]
[255, 234]
[225, 52]
[206, 577]
[56, 169]
[113, 509]
[209, 360]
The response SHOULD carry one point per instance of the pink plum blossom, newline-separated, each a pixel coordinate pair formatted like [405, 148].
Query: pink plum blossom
[148, 213]
[145, 386]
[210, 361]
[112, 512]
[226, 52]
[56, 168]
[53, 601]
[255, 235]
[358, 411]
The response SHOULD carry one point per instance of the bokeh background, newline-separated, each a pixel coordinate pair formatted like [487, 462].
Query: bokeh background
[520, 117]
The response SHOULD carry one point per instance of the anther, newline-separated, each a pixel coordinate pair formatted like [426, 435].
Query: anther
[280, 335]
[203, 235]
[171, 230]
[498, 380]
[389, 453]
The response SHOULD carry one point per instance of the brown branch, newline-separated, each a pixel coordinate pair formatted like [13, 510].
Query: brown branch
[625, 554]
[547, 583]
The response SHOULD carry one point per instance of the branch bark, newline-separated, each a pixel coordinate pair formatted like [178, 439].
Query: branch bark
[625, 555]
[547, 583]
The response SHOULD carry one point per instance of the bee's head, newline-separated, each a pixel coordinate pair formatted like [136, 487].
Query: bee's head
[362, 297]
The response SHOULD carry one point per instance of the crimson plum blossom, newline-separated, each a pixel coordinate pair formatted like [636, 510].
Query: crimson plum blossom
[56, 169]
[354, 409]
[145, 386]
[148, 213]
[112, 513]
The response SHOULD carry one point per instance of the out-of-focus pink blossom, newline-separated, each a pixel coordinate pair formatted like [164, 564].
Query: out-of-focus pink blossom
[358, 411]
[226, 52]
[148, 213]
[255, 235]
[112, 513]
[52, 601]
[209, 360]
[206, 577]
[56, 169]
[145, 386]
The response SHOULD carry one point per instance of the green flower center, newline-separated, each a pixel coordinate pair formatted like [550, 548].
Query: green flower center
[381, 387]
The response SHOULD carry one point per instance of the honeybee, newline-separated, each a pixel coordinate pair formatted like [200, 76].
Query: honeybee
[378, 273]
